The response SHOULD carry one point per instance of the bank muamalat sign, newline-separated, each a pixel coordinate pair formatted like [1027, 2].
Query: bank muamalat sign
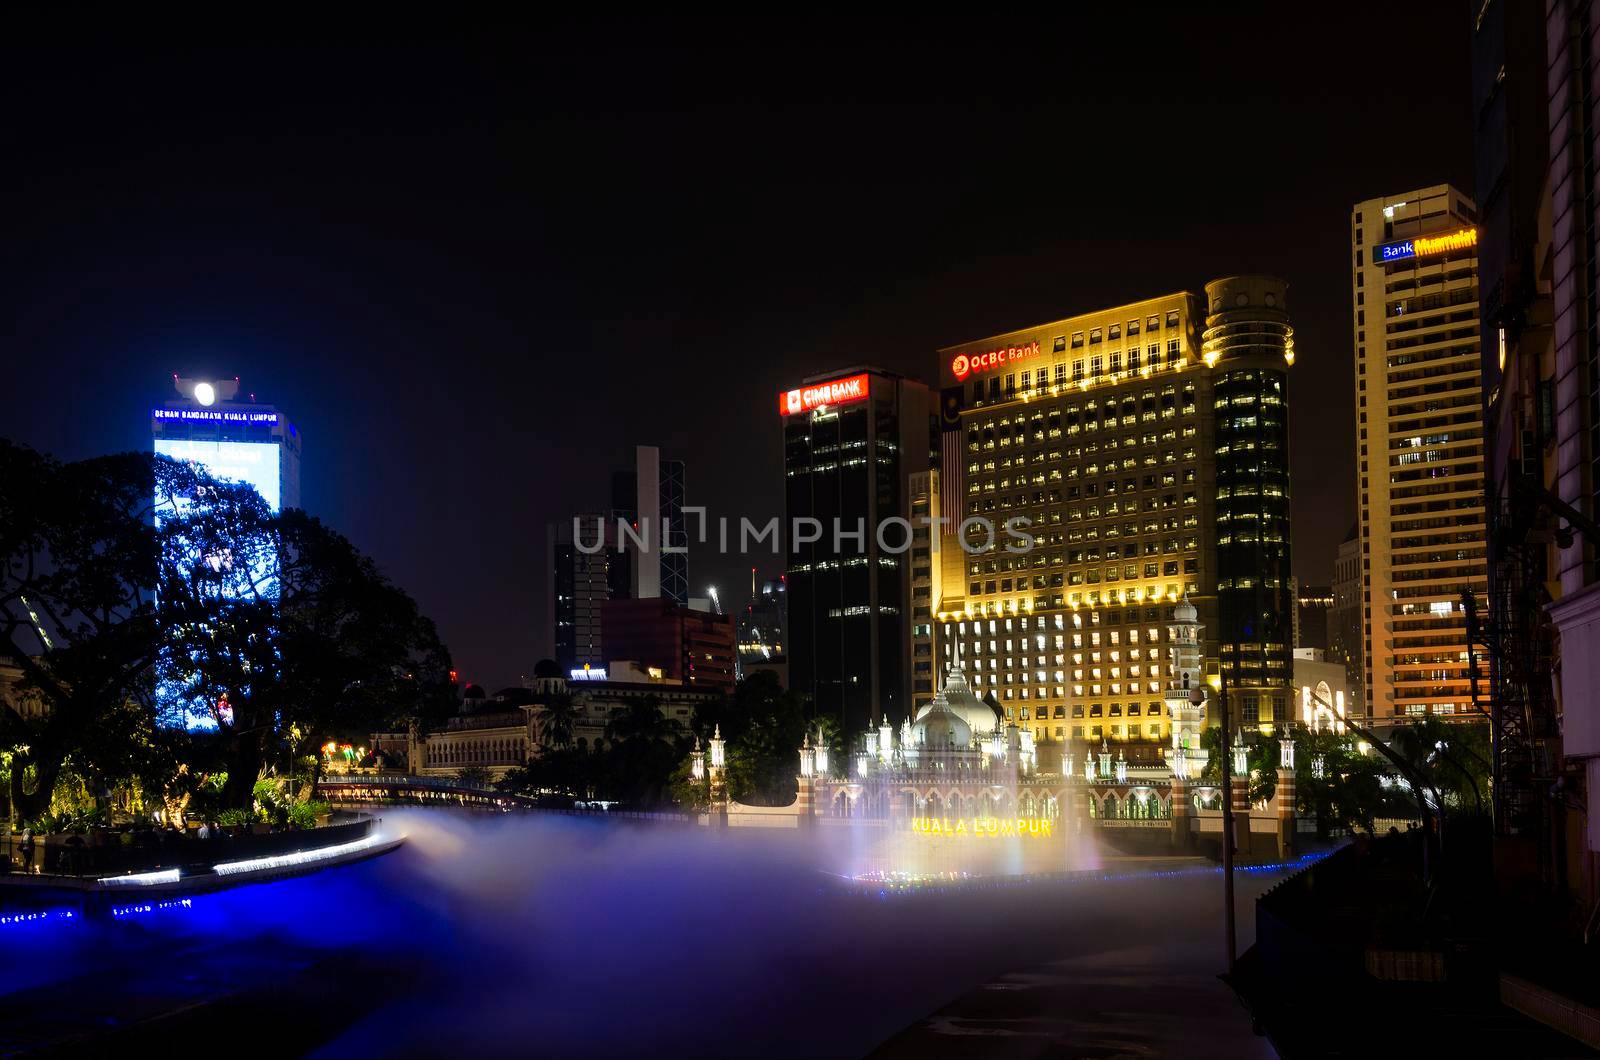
[983, 827]
[834, 392]
[1425, 246]
[965, 364]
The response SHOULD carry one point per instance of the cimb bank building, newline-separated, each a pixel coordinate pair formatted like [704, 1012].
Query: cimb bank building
[853, 441]
[1147, 448]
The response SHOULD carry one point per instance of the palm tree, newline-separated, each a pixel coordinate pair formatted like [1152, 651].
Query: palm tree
[640, 720]
[556, 717]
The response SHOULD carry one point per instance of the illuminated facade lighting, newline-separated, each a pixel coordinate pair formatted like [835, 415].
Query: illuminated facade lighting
[141, 879]
[1418, 381]
[1102, 430]
[298, 857]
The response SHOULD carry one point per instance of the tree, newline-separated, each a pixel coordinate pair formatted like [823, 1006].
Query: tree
[555, 719]
[643, 749]
[1349, 790]
[279, 630]
[640, 720]
[1349, 793]
[78, 548]
[356, 651]
[764, 725]
[473, 776]
[1451, 757]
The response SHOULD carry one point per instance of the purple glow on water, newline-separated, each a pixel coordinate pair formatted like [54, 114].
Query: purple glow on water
[561, 936]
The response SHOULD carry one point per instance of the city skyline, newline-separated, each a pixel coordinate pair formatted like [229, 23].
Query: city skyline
[455, 424]
[1165, 596]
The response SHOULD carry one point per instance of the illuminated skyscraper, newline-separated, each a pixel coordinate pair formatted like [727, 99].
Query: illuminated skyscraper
[241, 441]
[1248, 347]
[852, 442]
[235, 441]
[1419, 439]
[1146, 447]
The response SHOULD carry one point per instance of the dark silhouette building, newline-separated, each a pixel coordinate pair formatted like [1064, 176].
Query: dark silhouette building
[851, 442]
[693, 648]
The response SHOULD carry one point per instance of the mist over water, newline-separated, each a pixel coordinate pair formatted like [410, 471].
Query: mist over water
[552, 935]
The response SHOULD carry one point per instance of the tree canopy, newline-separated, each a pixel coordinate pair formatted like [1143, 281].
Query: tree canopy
[138, 595]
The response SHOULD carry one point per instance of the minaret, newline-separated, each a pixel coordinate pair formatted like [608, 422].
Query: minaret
[1187, 673]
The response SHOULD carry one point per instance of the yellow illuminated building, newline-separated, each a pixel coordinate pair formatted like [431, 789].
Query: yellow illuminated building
[1419, 438]
[1090, 429]
[1102, 432]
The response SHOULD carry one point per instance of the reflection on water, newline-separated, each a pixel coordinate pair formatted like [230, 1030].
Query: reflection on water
[562, 935]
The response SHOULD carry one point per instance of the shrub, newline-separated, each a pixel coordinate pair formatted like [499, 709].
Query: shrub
[233, 818]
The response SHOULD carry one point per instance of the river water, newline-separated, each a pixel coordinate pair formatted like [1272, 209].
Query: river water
[562, 936]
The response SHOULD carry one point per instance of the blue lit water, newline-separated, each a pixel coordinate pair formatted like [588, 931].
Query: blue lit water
[550, 935]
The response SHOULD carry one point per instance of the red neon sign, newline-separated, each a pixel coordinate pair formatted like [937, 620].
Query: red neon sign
[965, 364]
[834, 392]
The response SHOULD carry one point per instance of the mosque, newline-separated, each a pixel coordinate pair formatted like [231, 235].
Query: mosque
[960, 758]
[958, 770]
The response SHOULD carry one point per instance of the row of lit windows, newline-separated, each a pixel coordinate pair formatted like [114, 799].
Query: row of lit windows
[1109, 366]
[1096, 710]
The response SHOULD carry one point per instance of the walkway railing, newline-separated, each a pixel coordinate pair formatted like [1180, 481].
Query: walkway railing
[407, 781]
[400, 786]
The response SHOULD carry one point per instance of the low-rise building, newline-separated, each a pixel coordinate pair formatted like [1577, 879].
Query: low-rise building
[499, 733]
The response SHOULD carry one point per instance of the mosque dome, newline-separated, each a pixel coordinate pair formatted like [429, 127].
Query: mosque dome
[1185, 611]
[938, 728]
[957, 698]
[547, 668]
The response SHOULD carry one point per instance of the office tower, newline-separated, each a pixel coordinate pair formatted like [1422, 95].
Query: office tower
[581, 582]
[1313, 608]
[1536, 106]
[692, 647]
[651, 496]
[852, 441]
[235, 441]
[1419, 443]
[240, 441]
[761, 633]
[1345, 640]
[1102, 431]
[1248, 346]
[623, 556]
[926, 586]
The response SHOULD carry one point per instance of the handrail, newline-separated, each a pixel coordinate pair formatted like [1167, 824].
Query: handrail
[397, 779]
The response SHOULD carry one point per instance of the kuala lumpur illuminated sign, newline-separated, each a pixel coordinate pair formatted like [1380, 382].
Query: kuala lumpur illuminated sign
[834, 392]
[983, 827]
[1425, 246]
[965, 364]
[213, 416]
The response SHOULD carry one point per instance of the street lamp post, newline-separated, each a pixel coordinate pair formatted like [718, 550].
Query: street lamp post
[1227, 819]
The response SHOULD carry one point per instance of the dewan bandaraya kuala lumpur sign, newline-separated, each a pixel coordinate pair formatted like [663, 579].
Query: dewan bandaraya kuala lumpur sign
[834, 392]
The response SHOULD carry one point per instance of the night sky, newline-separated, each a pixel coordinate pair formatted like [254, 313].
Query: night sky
[477, 269]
